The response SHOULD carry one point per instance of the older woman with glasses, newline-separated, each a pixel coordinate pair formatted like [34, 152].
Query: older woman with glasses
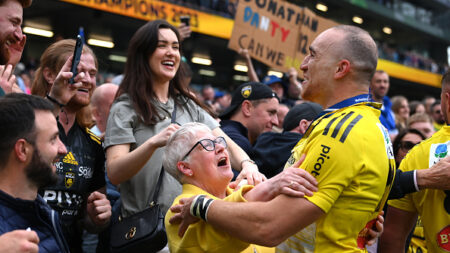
[200, 162]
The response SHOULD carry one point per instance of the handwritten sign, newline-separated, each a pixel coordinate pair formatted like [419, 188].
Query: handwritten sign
[276, 32]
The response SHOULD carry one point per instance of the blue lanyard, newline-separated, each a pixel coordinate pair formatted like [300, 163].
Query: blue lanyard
[347, 102]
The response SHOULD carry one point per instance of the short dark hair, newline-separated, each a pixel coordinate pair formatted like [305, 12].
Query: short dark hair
[399, 137]
[17, 120]
[24, 3]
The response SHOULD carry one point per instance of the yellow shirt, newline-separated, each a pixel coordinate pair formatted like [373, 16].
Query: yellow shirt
[202, 237]
[429, 203]
[350, 154]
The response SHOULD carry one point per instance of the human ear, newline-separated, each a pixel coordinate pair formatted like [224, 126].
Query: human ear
[246, 108]
[184, 168]
[48, 75]
[342, 69]
[22, 150]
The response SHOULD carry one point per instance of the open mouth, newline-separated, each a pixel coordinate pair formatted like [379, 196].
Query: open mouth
[83, 90]
[168, 63]
[222, 162]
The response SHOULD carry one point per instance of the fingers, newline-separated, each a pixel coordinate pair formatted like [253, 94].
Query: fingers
[233, 185]
[95, 195]
[183, 227]
[299, 162]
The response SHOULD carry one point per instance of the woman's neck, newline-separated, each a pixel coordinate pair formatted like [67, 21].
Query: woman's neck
[161, 91]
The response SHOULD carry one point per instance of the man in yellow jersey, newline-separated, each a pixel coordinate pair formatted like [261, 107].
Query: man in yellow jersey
[348, 152]
[433, 205]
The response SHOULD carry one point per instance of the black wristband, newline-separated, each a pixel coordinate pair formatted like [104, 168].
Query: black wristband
[199, 207]
[55, 101]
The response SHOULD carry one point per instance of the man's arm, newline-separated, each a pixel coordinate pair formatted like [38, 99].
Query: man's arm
[262, 223]
[398, 225]
[436, 177]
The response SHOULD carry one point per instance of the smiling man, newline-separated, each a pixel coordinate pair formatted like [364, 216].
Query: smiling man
[79, 195]
[253, 111]
[29, 147]
[347, 150]
[12, 41]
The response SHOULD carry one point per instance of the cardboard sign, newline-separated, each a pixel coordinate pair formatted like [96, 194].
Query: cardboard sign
[276, 32]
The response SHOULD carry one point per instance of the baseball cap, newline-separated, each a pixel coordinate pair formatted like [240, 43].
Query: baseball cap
[268, 80]
[247, 91]
[307, 110]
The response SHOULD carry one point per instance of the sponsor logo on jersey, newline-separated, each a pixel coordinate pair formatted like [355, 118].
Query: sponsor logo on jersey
[69, 179]
[62, 198]
[86, 172]
[69, 158]
[387, 141]
[437, 152]
[323, 157]
[443, 238]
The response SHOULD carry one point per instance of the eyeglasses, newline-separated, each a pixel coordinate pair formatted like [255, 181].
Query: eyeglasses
[208, 145]
[407, 145]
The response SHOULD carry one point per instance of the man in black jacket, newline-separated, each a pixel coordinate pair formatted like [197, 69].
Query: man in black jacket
[29, 146]
[272, 150]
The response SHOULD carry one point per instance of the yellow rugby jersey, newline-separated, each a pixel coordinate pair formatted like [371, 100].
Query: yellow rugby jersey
[201, 236]
[350, 154]
[429, 204]
[418, 243]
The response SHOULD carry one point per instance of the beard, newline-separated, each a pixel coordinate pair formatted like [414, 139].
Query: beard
[39, 172]
[4, 52]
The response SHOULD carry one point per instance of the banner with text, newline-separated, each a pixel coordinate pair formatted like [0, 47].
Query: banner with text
[276, 32]
[201, 22]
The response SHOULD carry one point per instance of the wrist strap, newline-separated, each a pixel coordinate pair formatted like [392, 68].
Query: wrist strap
[247, 160]
[55, 101]
[200, 206]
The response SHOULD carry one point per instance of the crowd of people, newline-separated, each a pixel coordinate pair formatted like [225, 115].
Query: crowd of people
[323, 152]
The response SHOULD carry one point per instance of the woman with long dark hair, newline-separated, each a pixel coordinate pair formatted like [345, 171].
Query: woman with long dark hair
[139, 123]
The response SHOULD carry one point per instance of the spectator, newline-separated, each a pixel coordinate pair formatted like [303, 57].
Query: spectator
[79, 196]
[423, 123]
[437, 115]
[431, 204]
[139, 123]
[253, 111]
[208, 95]
[272, 150]
[416, 107]
[281, 113]
[101, 101]
[400, 108]
[29, 147]
[205, 169]
[379, 87]
[337, 75]
[12, 42]
[404, 142]
[280, 88]
[428, 101]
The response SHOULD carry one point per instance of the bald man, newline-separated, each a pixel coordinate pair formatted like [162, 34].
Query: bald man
[101, 102]
[347, 150]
